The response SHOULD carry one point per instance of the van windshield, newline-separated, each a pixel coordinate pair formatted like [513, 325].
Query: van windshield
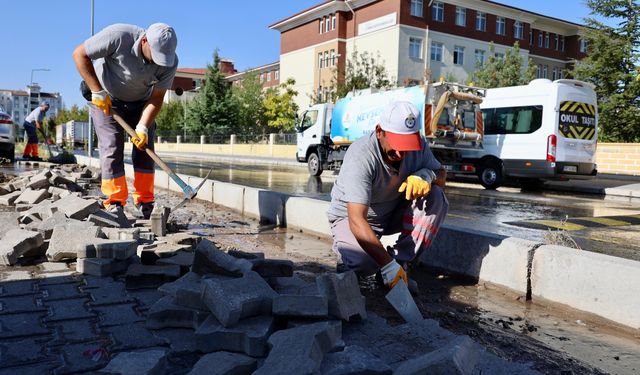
[512, 120]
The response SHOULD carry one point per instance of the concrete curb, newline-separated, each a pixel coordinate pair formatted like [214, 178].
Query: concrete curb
[596, 283]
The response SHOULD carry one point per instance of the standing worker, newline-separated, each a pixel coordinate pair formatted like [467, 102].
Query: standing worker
[127, 69]
[389, 182]
[32, 122]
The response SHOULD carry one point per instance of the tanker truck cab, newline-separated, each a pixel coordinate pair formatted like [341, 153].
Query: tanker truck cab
[541, 131]
[313, 129]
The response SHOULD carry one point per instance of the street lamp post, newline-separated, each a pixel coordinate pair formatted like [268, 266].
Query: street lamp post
[37, 70]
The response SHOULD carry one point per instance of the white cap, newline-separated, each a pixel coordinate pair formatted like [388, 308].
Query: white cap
[400, 120]
[163, 41]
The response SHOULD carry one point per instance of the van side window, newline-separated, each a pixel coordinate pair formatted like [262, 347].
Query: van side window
[512, 120]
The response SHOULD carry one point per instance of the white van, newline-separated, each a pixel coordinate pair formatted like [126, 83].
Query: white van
[7, 136]
[543, 130]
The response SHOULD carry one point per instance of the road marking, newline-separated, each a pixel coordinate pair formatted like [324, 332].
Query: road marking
[580, 223]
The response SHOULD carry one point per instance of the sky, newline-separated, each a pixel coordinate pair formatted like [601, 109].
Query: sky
[42, 34]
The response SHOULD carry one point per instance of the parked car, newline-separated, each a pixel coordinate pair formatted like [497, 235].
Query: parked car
[7, 136]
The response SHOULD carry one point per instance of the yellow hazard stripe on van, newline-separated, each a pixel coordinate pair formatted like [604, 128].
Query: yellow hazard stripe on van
[577, 132]
[580, 223]
[578, 107]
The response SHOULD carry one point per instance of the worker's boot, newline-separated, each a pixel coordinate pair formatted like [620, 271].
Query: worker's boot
[145, 209]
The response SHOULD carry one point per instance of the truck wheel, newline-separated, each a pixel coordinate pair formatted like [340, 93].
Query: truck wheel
[490, 174]
[314, 165]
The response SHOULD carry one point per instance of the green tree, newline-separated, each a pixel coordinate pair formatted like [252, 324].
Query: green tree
[74, 113]
[170, 120]
[279, 107]
[213, 110]
[362, 71]
[612, 65]
[249, 98]
[503, 72]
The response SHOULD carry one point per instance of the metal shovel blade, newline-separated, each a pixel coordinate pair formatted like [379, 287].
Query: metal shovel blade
[400, 298]
[193, 192]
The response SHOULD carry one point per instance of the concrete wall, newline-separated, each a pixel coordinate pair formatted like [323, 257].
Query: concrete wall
[619, 158]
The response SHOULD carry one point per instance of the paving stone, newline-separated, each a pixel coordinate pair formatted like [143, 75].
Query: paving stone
[145, 297]
[159, 217]
[22, 325]
[133, 336]
[20, 304]
[273, 267]
[63, 291]
[77, 330]
[67, 240]
[77, 208]
[183, 238]
[38, 368]
[40, 181]
[300, 350]
[186, 291]
[82, 357]
[460, 356]
[101, 267]
[109, 249]
[293, 285]
[21, 351]
[182, 340]
[343, 293]
[224, 363]
[102, 220]
[351, 361]
[148, 362]
[31, 196]
[167, 314]
[57, 279]
[9, 199]
[112, 315]
[248, 336]
[245, 254]
[150, 254]
[67, 309]
[184, 259]
[50, 267]
[17, 288]
[18, 242]
[209, 259]
[143, 276]
[108, 293]
[15, 275]
[148, 236]
[232, 300]
[122, 233]
[292, 305]
[47, 225]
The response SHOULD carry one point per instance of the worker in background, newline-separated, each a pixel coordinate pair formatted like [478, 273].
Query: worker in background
[32, 122]
[389, 182]
[127, 70]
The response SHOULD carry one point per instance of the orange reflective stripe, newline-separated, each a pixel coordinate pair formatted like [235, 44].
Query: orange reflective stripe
[143, 187]
[116, 190]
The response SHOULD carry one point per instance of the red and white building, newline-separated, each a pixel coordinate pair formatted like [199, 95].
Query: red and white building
[415, 37]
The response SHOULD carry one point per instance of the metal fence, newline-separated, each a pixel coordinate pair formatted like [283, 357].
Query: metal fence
[279, 138]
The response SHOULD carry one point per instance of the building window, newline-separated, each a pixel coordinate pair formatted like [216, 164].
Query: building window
[583, 45]
[554, 73]
[562, 43]
[327, 21]
[546, 40]
[530, 37]
[415, 48]
[321, 25]
[320, 61]
[333, 57]
[481, 21]
[500, 26]
[268, 76]
[544, 71]
[557, 42]
[437, 11]
[539, 38]
[458, 55]
[326, 59]
[560, 74]
[416, 8]
[261, 77]
[333, 22]
[518, 30]
[538, 71]
[277, 75]
[461, 16]
[479, 57]
[499, 56]
[436, 51]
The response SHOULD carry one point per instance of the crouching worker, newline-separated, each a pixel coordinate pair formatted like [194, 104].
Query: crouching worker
[389, 182]
[127, 69]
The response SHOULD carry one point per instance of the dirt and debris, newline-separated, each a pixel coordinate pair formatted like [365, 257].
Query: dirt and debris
[146, 272]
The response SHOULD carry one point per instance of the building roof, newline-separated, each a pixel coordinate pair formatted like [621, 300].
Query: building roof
[256, 69]
[201, 71]
[16, 92]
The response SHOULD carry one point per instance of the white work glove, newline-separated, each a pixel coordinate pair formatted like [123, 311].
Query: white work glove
[418, 184]
[102, 100]
[392, 273]
[142, 133]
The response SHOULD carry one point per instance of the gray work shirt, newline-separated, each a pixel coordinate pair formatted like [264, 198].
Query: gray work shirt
[366, 179]
[120, 66]
[35, 115]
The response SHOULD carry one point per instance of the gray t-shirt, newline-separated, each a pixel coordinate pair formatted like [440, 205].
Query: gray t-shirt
[35, 115]
[120, 66]
[366, 179]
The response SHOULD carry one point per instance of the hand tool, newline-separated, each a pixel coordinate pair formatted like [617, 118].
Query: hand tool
[400, 298]
[189, 192]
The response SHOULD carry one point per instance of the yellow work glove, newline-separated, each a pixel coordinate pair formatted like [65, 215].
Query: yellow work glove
[418, 184]
[392, 273]
[142, 137]
[102, 100]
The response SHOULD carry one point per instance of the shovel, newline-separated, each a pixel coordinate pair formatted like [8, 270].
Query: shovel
[189, 192]
[400, 298]
[60, 157]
